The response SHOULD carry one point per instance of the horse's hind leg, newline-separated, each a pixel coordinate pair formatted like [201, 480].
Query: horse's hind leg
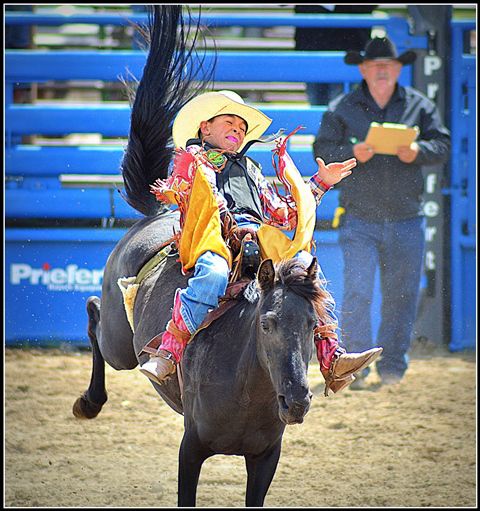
[89, 404]
[261, 470]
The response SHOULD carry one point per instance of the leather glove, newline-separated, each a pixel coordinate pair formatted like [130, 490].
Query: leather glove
[238, 235]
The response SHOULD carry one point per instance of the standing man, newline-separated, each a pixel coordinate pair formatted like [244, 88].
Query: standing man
[382, 225]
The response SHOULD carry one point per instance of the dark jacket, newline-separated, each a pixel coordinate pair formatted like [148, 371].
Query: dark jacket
[384, 188]
[236, 183]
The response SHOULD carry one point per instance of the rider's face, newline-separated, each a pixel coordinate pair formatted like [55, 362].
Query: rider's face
[224, 132]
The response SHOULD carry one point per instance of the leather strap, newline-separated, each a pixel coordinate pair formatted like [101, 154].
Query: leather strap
[151, 265]
[152, 345]
[180, 335]
[232, 294]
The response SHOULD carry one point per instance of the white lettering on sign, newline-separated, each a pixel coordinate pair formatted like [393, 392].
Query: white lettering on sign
[431, 208]
[430, 260]
[430, 183]
[432, 89]
[430, 232]
[71, 278]
[431, 63]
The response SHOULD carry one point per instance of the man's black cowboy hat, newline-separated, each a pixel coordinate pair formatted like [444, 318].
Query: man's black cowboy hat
[379, 48]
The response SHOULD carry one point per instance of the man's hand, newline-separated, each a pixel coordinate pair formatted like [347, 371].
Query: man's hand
[333, 173]
[408, 154]
[363, 152]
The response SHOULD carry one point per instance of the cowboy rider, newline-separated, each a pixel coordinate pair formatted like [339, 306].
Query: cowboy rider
[214, 130]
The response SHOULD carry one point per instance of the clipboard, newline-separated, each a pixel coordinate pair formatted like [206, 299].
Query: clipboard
[387, 137]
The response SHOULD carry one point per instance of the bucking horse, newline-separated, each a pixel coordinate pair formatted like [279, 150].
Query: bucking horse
[244, 376]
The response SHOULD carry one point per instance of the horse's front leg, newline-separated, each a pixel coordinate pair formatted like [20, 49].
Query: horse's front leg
[191, 457]
[260, 470]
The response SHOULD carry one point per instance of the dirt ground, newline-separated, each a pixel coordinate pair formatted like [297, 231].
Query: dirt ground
[406, 445]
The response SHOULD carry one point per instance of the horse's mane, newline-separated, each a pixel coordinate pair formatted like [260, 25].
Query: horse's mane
[292, 274]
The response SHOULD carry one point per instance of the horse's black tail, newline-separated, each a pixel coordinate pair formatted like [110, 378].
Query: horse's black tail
[174, 73]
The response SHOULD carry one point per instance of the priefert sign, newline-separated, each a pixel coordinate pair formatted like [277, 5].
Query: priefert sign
[69, 278]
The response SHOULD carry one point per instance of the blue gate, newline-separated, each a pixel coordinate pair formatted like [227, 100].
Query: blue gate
[51, 271]
[463, 191]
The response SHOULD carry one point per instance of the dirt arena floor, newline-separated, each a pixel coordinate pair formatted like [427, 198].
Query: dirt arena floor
[412, 444]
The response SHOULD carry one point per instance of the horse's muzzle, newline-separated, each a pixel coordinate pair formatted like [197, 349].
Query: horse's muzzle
[293, 411]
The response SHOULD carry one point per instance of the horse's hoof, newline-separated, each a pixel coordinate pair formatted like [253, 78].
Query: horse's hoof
[84, 409]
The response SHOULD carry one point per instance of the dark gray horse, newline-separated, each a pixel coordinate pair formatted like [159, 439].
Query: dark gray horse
[245, 376]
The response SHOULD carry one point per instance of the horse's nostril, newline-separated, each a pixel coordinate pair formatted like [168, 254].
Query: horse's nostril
[282, 402]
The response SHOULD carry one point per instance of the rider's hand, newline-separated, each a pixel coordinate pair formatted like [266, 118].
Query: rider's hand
[363, 152]
[238, 234]
[333, 173]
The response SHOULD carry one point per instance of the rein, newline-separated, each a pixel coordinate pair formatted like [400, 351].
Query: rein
[152, 264]
[129, 285]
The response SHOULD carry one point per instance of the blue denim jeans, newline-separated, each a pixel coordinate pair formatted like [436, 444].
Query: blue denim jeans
[210, 279]
[205, 287]
[208, 283]
[397, 249]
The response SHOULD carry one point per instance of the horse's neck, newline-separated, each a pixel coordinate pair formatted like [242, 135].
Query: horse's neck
[250, 373]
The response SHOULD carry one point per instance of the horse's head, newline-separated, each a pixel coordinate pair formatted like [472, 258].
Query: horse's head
[285, 323]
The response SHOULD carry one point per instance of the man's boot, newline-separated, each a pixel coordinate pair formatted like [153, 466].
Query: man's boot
[336, 365]
[164, 358]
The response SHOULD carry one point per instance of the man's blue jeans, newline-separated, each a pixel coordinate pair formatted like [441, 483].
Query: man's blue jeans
[397, 248]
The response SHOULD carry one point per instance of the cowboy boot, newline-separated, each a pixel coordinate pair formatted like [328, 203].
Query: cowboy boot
[164, 358]
[344, 365]
[336, 365]
[328, 350]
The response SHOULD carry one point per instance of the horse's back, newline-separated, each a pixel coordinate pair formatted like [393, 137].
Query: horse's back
[141, 242]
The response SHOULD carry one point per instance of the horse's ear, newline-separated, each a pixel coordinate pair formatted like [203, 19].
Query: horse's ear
[312, 270]
[266, 275]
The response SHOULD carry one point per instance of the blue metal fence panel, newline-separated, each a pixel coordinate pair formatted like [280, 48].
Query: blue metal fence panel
[463, 193]
[396, 26]
[237, 66]
[80, 203]
[49, 274]
[114, 120]
[106, 159]
[53, 161]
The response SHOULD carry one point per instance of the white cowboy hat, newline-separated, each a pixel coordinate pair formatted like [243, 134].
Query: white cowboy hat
[208, 105]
